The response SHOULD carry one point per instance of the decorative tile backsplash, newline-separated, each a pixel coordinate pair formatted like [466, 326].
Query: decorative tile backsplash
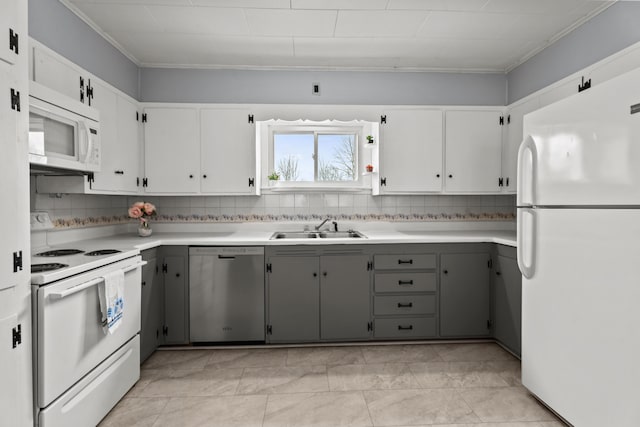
[77, 210]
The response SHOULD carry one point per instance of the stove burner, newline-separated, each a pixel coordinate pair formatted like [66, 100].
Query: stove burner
[102, 252]
[60, 252]
[39, 268]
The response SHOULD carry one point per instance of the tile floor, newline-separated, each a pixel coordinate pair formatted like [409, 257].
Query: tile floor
[451, 385]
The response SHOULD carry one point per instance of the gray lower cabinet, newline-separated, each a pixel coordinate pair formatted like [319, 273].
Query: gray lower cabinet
[345, 292]
[151, 320]
[507, 299]
[175, 261]
[465, 309]
[318, 294]
[294, 292]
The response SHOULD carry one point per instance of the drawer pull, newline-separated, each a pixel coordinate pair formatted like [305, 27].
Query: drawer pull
[405, 282]
[403, 261]
[405, 305]
[405, 328]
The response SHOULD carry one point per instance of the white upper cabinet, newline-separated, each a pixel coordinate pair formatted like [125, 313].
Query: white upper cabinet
[11, 38]
[227, 151]
[512, 141]
[410, 151]
[119, 142]
[63, 76]
[172, 150]
[473, 151]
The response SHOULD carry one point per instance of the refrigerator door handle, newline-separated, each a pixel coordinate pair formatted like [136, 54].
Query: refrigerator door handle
[527, 172]
[526, 238]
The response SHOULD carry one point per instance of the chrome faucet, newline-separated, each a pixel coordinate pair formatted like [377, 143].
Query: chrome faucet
[335, 224]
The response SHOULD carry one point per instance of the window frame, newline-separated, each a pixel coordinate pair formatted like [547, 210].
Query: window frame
[356, 128]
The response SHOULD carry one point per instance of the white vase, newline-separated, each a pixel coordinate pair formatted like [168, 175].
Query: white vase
[144, 231]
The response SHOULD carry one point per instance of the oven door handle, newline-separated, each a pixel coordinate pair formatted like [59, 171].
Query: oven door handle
[81, 287]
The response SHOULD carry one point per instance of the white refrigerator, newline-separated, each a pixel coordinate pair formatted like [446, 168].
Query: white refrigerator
[579, 253]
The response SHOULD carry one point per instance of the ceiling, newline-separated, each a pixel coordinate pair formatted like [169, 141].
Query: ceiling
[444, 35]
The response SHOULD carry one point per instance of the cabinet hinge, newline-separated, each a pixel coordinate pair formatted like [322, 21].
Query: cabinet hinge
[144, 117]
[17, 336]
[383, 181]
[489, 324]
[81, 89]
[17, 261]
[15, 99]
[269, 268]
[584, 85]
[13, 41]
[250, 118]
[164, 268]
[145, 182]
[501, 121]
[91, 177]
[500, 182]
[370, 326]
[383, 120]
[252, 182]
[165, 330]
[506, 180]
[509, 119]
[157, 269]
[137, 181]
[89, 91]
[137, 116]
[369, 266]
[269, 330]
[490, 263]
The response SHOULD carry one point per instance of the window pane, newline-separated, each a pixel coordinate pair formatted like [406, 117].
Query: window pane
[337, 157]
[293, 156]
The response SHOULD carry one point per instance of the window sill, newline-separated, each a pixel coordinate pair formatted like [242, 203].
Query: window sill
[314, 189]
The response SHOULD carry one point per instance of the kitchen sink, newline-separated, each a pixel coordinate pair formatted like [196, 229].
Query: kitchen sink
[351, 234]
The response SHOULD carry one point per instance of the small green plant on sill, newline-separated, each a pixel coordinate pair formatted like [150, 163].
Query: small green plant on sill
[273, 176]
[370, 139]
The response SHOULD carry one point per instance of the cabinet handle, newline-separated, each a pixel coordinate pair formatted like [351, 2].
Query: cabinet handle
[437, 175]
[445, 271]
[402, 261]
[177, 274]
[405, 305]
[315, 274]
[190, 176]
[405, 282]
[204, 176]
[324, 274]
[450, 175]
[119, 172]
[497, 273]
[405, 328]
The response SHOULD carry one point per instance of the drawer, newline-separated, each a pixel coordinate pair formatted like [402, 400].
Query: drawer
[404, 304]
[405, 327]
[404, 262]
[405, 282]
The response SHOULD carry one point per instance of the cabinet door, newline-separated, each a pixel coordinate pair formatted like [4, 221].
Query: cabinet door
[345, 295]
[151, 310]
[9, 371]
[175, 300]
[411, 151]
[464, 295]
[172, 150]
[508, 303]
[58, 75]
[9, 27]
[294, 308]
[228, 152]
[129, 142]
[12, 165]
[473, 151]
[514, 138]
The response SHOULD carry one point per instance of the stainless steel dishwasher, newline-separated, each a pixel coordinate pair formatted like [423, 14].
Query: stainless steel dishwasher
[226, 294]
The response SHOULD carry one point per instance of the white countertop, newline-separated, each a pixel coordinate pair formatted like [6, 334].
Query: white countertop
[261, 238]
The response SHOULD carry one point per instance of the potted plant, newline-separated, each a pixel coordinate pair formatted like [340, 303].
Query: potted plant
[273, 178]
[370, 139]
[369, 168]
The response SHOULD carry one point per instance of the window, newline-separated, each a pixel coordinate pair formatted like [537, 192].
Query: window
[318, 155]
[311, 154]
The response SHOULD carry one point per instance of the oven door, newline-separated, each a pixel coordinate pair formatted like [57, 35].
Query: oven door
[70, 340]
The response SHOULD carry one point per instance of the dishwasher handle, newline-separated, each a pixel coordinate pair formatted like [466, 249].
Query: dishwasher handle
[226, 257]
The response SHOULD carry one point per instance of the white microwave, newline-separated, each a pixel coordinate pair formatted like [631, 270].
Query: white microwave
[63, 132]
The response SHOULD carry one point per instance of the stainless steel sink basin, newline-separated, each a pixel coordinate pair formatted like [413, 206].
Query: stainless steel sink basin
[351, 234]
